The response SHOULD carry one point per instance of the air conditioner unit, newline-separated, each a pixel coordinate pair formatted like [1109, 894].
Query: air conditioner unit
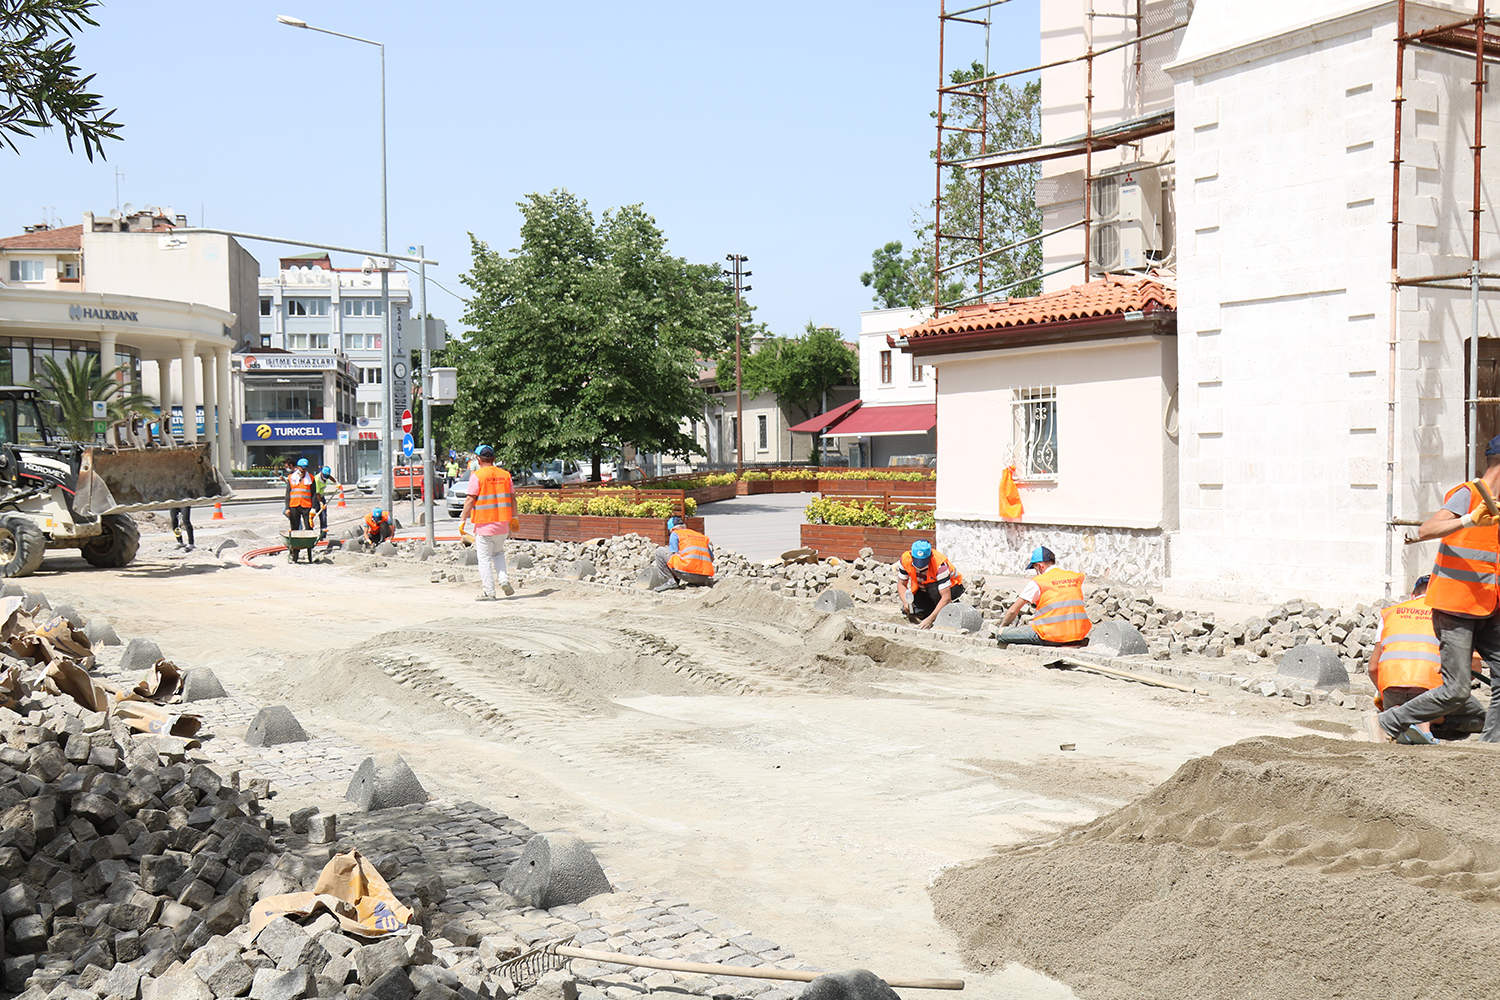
[1104, 247]
[1106, 198]
[1119, 246]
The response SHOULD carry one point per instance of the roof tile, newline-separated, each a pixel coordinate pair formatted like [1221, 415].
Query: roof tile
[64, 238]
[1111, 295]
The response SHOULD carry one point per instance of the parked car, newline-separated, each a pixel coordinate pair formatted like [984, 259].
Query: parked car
[369, 485]
[457, 494]
[406, 480]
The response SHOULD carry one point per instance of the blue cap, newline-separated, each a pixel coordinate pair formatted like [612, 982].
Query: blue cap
[1493, 448]
[301, 463]
[1420, 587]
[675, 522]
[377, 511]
[1041, 554]
[921, 552]
[484, 451]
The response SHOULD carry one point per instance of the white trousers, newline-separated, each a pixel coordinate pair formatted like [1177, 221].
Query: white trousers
[491, 550]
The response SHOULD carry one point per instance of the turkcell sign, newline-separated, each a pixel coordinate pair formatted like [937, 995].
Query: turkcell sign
[321, 430]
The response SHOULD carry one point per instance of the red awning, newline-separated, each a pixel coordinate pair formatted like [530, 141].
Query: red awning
[872, 421]
[823, 420]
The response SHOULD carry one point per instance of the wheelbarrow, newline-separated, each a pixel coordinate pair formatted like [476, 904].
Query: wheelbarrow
[300, 541]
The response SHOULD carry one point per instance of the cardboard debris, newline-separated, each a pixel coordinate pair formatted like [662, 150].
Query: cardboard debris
[160, 684]
[13, 688]
[351, 889]
[145, 717]
[63, 676]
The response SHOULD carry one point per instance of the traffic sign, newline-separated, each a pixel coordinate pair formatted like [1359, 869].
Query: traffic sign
[408, 446]
[406, 421]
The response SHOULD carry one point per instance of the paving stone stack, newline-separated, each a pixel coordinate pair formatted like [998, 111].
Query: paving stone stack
[116, 861]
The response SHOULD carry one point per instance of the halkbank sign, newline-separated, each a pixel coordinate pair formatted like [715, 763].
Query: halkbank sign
[89, 312]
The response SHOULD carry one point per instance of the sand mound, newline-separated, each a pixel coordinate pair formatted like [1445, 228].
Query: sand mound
[1275, 867]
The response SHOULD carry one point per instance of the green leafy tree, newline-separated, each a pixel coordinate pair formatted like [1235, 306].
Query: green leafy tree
[77, 384]
[40, 85]
[1011, 214]
[799, 370]
[588, 338]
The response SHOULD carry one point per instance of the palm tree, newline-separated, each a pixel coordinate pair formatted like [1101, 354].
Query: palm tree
[75, 385]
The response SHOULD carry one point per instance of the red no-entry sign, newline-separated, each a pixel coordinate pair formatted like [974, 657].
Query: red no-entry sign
[406, 421]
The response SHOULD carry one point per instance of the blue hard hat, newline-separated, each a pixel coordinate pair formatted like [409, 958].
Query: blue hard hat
[1041, 554]
[377, 511]
[921, 552]
[327, 471]
[301, 463]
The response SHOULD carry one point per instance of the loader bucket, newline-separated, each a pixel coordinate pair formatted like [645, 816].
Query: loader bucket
[120, 480]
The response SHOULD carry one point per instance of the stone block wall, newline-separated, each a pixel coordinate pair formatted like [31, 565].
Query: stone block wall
[1137, 556]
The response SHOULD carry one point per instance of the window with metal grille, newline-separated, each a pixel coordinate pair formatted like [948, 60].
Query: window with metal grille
[763, 433]
[1034, 413]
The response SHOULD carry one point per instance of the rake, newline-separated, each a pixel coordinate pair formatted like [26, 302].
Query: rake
[525, 969]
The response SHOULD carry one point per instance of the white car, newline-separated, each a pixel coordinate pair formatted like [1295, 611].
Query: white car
[456, 495]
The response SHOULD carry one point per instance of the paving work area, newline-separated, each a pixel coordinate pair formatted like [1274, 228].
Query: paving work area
[766, 784]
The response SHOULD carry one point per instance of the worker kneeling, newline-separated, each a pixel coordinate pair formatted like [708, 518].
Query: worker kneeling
[1061, 619]
[1406, 664]
[686, 560]
[378, 527]
[927, 583]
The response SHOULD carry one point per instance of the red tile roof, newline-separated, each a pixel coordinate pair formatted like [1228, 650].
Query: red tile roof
[1110, 296]
[66, 238]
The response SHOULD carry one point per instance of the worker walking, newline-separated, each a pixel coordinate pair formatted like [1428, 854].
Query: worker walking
[1061, 619]
[927, 582]
[686, 560]
[452, 472]
[378, 527]
[323, 484]
[299, 496]
[1405, 664]
[182, 523]
[491, 506]
[1464, 595]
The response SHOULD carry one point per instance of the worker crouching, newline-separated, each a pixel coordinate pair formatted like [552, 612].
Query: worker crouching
[1061, 618]
[927, 583]
[1405, 664]
[378, 527]
[686, 560]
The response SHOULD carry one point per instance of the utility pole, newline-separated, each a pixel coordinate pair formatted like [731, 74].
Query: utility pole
[739, 274]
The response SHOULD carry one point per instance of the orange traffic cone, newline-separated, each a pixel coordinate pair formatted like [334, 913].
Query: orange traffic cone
[218, 512]
[341, 497]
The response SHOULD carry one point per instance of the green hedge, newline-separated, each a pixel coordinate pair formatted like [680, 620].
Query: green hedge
[599, 506]
[885, 477]
[869, 515]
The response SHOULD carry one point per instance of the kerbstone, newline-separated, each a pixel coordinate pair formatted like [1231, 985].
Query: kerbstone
[273, 726]
[1315, 664]
[102, 633]
[555, 869]
[960, 617]
[1115, 638]
[385, 549]
[202, 684]
[833, 600]
[140, 654]
[858, 984]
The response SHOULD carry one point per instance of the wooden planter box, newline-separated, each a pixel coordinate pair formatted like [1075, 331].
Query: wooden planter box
[794, 485]
[576, 528]
[754, 487]
[709, 494]
[844, 541]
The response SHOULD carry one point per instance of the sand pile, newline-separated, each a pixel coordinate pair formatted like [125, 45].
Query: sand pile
[1274, 868]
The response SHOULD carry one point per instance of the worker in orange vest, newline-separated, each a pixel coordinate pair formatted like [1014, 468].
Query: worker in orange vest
[491, 505]
[686, 559]
[1464, 595]
[378, 527]
[926, 582]
[1061, 619]
[299, 502]
[1405, 664]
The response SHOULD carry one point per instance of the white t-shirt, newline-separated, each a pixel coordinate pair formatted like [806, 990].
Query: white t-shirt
[1032, 592]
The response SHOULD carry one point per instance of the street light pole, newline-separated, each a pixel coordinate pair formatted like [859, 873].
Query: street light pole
[387, 374]
[429, 455]
[739, 274]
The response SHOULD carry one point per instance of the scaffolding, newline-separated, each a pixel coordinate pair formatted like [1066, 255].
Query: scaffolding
[1469, 38]
[1128, 132]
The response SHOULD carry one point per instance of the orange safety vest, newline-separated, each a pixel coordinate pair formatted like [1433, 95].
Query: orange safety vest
[1409, 651]
[938, 569]
[1060, 612]
[692, 555]
[1466, 570]
[299, 490]
[372, 526]
[496, 499]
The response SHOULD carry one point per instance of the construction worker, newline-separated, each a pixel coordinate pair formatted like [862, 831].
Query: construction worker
[378, 527]
[1057, 594]
[452, 472]
[323, 484]
[491, 506]
[927, 583]
[1404, 664]
[686, 559]
[1464, 595]
[299, 496]
[182, 522]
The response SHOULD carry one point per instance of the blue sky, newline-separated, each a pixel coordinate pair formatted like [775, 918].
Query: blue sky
[796, 133]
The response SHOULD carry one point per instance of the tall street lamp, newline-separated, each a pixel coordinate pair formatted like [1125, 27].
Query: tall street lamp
[387, 379]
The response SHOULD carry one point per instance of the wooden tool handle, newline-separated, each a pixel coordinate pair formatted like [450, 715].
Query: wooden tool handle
[747, 972]
[1487, 497]
[1124, 675]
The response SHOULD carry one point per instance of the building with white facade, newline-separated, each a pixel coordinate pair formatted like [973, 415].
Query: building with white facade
[311, 383]
[895, 421]
[165, 308]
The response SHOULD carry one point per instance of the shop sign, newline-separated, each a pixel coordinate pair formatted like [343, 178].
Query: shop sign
[311, 431]
[89, 312]
[288, 362]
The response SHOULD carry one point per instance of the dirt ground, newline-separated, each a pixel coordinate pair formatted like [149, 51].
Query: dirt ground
[767, 763]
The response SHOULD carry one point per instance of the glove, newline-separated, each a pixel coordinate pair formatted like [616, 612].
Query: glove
[515, 524]
[1480, 518]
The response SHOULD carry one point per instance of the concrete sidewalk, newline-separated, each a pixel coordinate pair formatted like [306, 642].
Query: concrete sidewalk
[758, 527]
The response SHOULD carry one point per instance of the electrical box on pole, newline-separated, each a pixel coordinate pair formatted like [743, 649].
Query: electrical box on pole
[442, 386]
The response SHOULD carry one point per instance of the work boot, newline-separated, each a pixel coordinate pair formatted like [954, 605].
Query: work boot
[662, 587]
[485, 595]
